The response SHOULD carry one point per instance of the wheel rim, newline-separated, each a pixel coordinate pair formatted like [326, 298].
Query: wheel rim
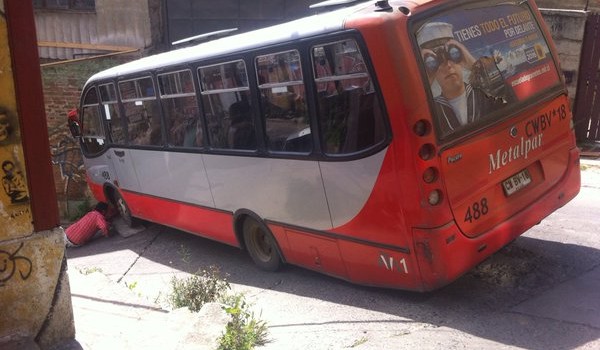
[122, 207]
[261, 244]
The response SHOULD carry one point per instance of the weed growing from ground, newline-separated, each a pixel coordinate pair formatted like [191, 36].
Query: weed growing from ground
[89, 270]
[202, 287]
[359, 342]
[131, 285]
[244, 331]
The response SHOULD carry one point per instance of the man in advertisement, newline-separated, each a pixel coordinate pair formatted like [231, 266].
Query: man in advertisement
[458, 102]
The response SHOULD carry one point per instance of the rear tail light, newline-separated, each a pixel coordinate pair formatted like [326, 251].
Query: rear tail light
[435, 197]
[427, 151]
[430, 175]
[422, 127]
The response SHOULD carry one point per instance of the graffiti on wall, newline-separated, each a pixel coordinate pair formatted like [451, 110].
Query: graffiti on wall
[13, 180]
[15, 211]
[11, 263]
[66, 155]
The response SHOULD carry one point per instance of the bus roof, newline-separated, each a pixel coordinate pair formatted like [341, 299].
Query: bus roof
[297, 29]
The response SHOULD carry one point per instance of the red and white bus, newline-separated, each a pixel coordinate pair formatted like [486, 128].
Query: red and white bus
[387, 143]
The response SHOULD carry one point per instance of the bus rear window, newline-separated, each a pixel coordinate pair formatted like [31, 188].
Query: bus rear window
[480, 59]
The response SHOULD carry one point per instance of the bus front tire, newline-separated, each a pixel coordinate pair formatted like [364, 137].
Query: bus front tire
[124, 211]
[261, 246]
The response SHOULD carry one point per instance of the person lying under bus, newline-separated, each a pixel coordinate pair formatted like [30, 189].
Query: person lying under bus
[96, 222]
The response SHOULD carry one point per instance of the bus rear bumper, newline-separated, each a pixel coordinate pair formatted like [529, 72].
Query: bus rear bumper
[444, 253]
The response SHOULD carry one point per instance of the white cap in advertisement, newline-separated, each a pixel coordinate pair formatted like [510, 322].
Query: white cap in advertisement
[434, 31]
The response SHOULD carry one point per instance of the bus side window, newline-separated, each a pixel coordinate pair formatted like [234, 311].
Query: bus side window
[226, 103]
[92, 134]
[350, 117]
[180, 109]
[141, 112]
[283, 102]
[108, 98]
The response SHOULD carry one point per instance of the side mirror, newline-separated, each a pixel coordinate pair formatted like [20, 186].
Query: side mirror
[74, 128]
[73, 122]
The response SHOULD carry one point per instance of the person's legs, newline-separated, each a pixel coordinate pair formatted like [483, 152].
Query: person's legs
[68, 242]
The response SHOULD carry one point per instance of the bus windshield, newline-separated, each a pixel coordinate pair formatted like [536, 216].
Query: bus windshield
[480, 60]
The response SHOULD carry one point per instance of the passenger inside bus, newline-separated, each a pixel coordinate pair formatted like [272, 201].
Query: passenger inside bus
[458, 102]
[193, 135]
[241, 133]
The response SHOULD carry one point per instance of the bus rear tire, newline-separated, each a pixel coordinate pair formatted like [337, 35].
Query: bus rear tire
[124, 211]
[261, 246]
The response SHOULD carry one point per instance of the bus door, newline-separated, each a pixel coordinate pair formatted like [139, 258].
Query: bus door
[121, 170]
[491, 74]
[93, 140]
[124, 170]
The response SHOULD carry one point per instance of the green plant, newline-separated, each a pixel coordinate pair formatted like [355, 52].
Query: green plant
[359, 342]
[131, 285]
[202, 287]
[244, 331]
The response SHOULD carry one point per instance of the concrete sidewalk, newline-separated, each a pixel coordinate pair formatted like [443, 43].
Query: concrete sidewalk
[109, 315]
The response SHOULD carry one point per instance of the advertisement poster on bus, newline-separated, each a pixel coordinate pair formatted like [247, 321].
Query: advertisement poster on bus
[481, 58]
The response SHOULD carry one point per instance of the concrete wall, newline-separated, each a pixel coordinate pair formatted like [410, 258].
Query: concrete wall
[567, 29]
[566, 22]
[34, 290]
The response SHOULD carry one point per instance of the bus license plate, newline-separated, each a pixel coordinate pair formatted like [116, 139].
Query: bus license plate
[516, 182]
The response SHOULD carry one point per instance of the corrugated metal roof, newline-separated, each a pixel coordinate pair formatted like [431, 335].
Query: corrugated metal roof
[102, 27]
